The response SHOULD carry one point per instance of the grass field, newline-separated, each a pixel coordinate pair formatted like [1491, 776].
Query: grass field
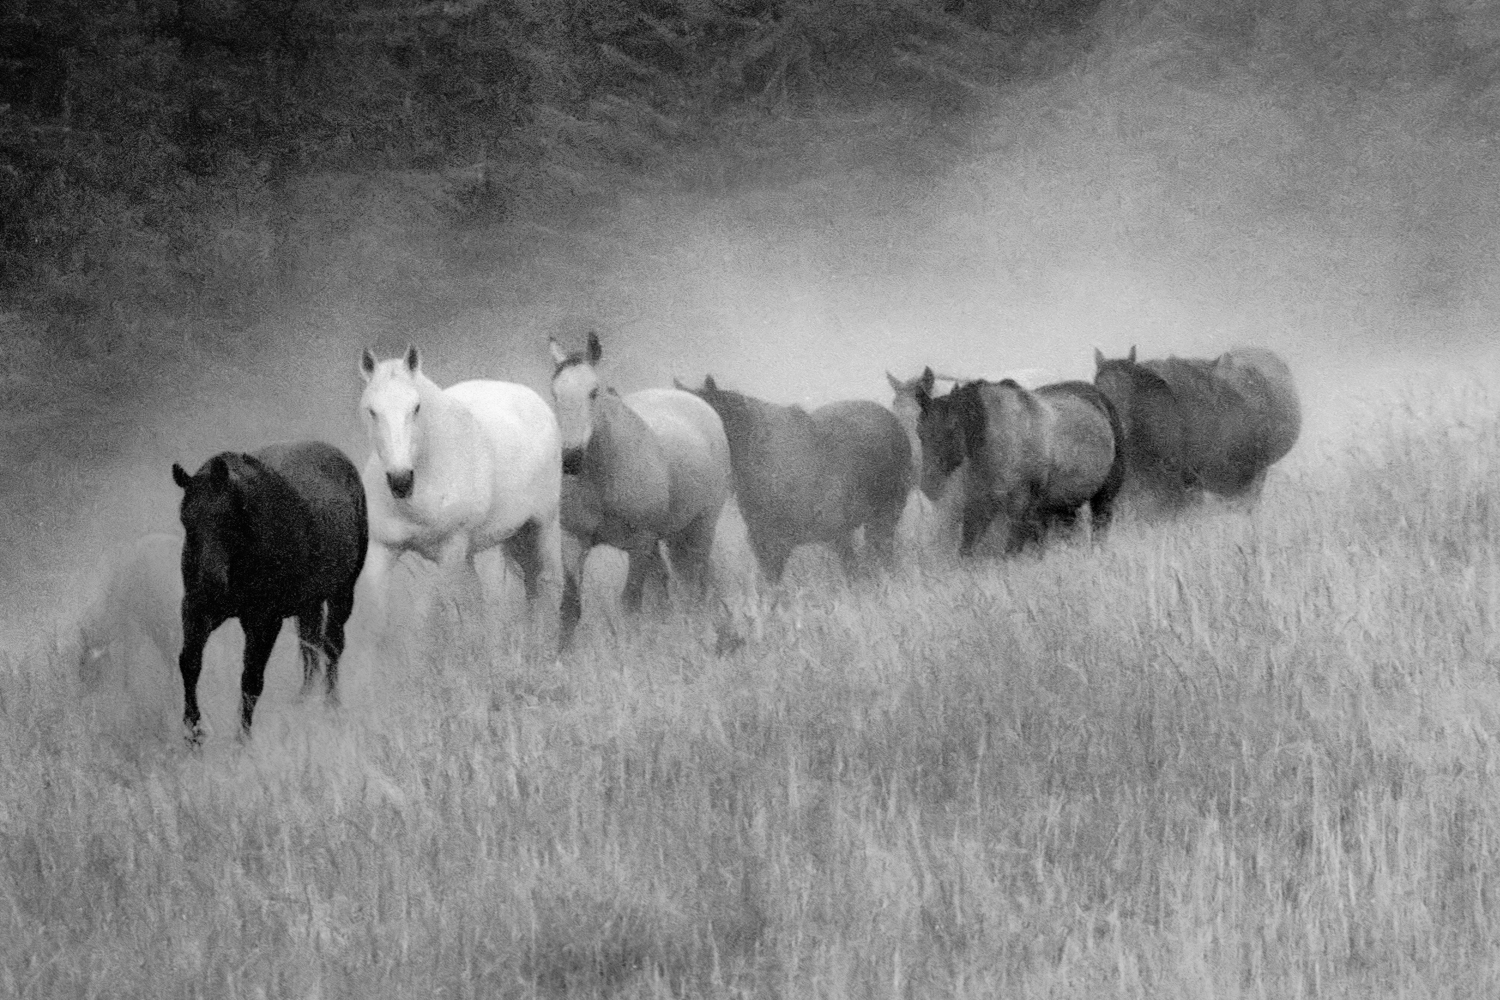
[1243, 755]
[1237, 755]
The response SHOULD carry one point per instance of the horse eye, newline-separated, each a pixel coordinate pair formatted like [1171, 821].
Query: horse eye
[594, 392]
[416, 409]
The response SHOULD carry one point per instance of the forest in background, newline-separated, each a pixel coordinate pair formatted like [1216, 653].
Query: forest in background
[152, 153]
[188, 161]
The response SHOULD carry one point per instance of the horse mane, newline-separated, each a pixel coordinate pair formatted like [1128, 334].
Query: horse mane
[967, 402]
[1138, 372]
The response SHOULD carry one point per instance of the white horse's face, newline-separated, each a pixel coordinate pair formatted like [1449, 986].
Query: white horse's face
[392, 408]
[575, 389]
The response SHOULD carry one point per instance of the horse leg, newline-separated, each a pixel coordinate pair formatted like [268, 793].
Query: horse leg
[843, 546]
[645, 564]
[772, 556]
[195, 632]
[880, 534]
[522, 548]
[309, 642]
[691, 549]
[977, 516]
[260, 637]
[570, 611]
[340, 607]
[1253, 489]
[377, 577]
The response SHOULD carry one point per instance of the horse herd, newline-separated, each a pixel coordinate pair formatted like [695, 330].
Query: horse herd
[286, 531]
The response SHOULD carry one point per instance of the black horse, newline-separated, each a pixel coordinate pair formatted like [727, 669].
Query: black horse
[277, 534]
[1195, 425]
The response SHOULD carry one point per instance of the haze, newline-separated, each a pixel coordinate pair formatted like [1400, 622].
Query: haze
[1154, 194]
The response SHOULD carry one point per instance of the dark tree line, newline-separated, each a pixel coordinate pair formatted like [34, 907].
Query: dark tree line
[120, 120]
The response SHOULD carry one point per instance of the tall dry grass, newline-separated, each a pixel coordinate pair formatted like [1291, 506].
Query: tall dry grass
[1240, 755]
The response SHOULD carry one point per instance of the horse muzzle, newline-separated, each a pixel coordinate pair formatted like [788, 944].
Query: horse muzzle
[572, 461]
[401, 483]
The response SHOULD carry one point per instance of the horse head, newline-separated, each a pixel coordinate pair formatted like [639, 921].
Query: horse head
[940, 430]
[392, 406]
[575, 392]
[213, 517]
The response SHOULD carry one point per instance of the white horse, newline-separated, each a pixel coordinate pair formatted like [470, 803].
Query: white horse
[457, 471]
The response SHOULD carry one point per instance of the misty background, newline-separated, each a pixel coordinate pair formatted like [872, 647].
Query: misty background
[208, 210]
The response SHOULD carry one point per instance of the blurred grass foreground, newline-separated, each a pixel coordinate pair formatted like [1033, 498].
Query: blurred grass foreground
[1246, 755]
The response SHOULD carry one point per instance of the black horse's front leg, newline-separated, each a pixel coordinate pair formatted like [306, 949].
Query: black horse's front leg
[260, 637]
[196, 629]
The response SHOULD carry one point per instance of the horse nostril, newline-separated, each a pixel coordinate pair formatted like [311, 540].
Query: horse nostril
[572, 461]
[400, 483]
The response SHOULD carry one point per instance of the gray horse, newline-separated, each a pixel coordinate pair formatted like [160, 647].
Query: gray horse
[814, 477]
[649, 467]
[1033, 458]
[1195, 425]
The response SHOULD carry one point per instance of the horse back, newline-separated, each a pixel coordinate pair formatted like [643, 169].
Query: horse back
[864, 444]
[511, 434]
[326, 530]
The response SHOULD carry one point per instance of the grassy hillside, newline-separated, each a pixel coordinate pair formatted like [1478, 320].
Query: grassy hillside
[1242, 755]
[1239, 755]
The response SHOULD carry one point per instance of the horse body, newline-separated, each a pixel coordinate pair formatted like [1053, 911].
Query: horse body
[1203, 424]
[1033, 458]
[643, 469]
[139, 596]
[454, 472]
[938, 515]
[280, 533]
[814, 477]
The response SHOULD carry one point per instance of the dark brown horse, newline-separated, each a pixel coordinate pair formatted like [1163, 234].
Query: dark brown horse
[1033, 458]
[277, 534]
[1194, 425]
[803, 477]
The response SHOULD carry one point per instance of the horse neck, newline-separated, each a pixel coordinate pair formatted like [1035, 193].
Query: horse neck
[616, 428]
[444, 428]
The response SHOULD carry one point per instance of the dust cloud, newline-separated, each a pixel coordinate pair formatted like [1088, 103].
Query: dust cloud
[1153, 194]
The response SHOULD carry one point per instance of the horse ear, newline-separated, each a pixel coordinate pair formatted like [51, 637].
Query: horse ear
[1098, 359]
[1131, 356]
[558, 354]
[927, 380]
[596, 349]
[218, 471]
[413, 359]
[367, 364]
[677, 384]
[895, 382]
[180, 476]
[708, 384]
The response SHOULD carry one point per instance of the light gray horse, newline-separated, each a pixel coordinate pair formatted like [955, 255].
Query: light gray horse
[638, 470]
